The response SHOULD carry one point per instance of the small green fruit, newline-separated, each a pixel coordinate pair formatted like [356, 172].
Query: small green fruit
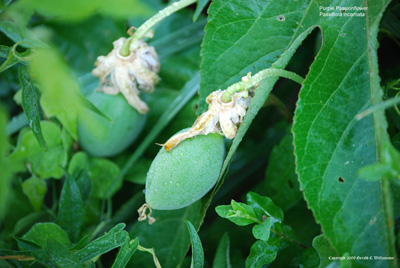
[101, 137]
[185, 174]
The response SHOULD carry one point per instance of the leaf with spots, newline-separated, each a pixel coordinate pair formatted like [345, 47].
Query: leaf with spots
[245, 36]
[331, 145]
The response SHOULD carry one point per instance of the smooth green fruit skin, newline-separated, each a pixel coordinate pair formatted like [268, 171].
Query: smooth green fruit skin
[101, 137]
[185, 174]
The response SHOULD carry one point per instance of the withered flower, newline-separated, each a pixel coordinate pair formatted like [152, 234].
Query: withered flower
[125, 74]
[221, 117]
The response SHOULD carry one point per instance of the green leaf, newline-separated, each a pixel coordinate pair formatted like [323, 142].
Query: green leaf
[16, 123]
[44, 164]
[309, 258]
[282, 44]
[197, 248]
[178, 40]
[73, 10]
[13, 31]
[4, 51]
[263, 206]
[325, 250]
[41, 233]
[331, 145]
[17, 208]
[232, 47]
[290, 233]
[235, 42]
[238, 213]
[30, 104]
[5, 164]
[35, 189]
[168, 235]
[262, 231]
[11, 60]
[396, 141]
[83, 242]
[60, 93]
[125, 253]
[103, 173]
[201, 4]
[116, 237]
[56, 255]
[80, 44]
[336, 264]
[282, 185]
[71, 211]
[138, 172]
[222, 256]
[263, 252]
[84, 184]
[91, 265]
[124, 212]
[26, 222]
[375, 172]
[391, 21]
[27, 245]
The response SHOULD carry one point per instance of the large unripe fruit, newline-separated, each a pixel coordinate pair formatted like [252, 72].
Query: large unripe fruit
[185, 174]
[101, 137]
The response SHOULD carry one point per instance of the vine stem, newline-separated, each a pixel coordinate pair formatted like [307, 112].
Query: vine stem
[150, 23]
[152, 252]
[280, 234]
[289, 239]
[252, 81]
[17, 258]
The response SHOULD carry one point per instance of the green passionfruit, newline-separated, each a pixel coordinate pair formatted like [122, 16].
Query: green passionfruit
[179, 177]
[102, 137]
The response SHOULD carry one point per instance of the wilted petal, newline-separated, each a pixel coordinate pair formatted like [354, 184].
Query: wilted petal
[109, 90]
[136, 102]
[150, 58]
[228, 127]
[124, 74]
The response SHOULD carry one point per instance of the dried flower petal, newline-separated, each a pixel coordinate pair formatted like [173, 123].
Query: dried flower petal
[221, 117]
[124, 74]
[143, 216]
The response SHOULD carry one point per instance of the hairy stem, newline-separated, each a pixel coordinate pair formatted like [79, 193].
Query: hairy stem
[150, 23]
[252, 81]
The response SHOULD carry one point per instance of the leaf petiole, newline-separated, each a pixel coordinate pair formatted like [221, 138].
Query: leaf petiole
[150, 23]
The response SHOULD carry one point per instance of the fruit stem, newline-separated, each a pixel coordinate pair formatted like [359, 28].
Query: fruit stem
[249, 81]
[150, 23]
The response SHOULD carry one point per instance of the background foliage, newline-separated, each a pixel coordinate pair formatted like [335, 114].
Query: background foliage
[307, 178]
